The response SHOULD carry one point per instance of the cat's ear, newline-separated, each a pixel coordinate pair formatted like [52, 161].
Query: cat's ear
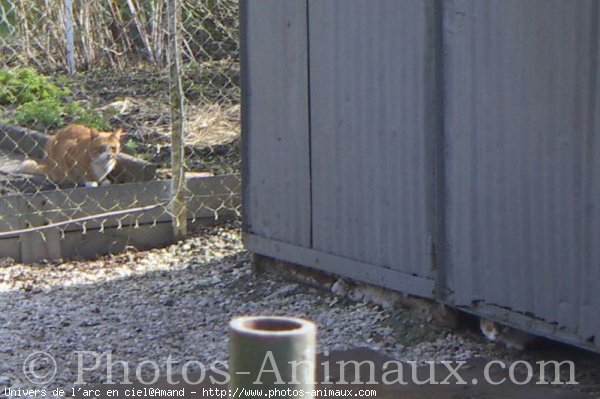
[117, 133]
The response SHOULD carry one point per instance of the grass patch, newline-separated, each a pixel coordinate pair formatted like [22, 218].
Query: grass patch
[26, 85]
[35, 101]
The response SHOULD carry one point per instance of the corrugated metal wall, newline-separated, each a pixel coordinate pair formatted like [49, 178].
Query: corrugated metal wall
[336, 143]
[370, 130]
[378, 130]
[276, 159]
[523, 172]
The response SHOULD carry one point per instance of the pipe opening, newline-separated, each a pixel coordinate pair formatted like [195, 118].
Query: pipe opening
[272, 325]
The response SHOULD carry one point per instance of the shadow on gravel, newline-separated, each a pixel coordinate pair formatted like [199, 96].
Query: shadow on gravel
[172, 316]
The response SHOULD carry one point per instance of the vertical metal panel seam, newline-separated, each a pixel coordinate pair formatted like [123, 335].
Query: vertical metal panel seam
[585, 288]
[244, 149]
[309, 112]
[439, 258]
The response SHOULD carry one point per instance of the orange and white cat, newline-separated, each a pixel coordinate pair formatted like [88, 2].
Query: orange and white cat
[510, 337]
[78, 154]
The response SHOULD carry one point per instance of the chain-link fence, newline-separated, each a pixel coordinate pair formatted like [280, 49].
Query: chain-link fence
[106, 103]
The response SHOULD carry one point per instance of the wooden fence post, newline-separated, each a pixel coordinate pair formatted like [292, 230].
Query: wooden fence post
[70, 40]
[178, 187]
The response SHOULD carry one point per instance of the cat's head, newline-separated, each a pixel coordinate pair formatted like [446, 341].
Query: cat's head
[105, 143]
[490, 329]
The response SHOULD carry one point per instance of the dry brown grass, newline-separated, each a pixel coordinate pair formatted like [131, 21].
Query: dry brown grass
[213, 124]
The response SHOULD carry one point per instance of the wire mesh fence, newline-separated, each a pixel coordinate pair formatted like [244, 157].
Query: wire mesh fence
[105, 105]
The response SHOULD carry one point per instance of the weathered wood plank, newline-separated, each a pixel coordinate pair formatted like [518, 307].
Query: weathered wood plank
[214, 200]
[209, 197]
[94, 243]
[10, 248]
[114, 240]
[131, 169]
[21, 140]
[37, 245]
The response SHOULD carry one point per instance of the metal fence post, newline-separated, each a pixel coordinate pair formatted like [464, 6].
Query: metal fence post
[178, 184]
[70, 41]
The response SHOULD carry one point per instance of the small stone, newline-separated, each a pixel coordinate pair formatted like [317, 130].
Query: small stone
[169, 302]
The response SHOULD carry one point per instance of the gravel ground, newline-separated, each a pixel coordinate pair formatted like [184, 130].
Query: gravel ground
[172, 305]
